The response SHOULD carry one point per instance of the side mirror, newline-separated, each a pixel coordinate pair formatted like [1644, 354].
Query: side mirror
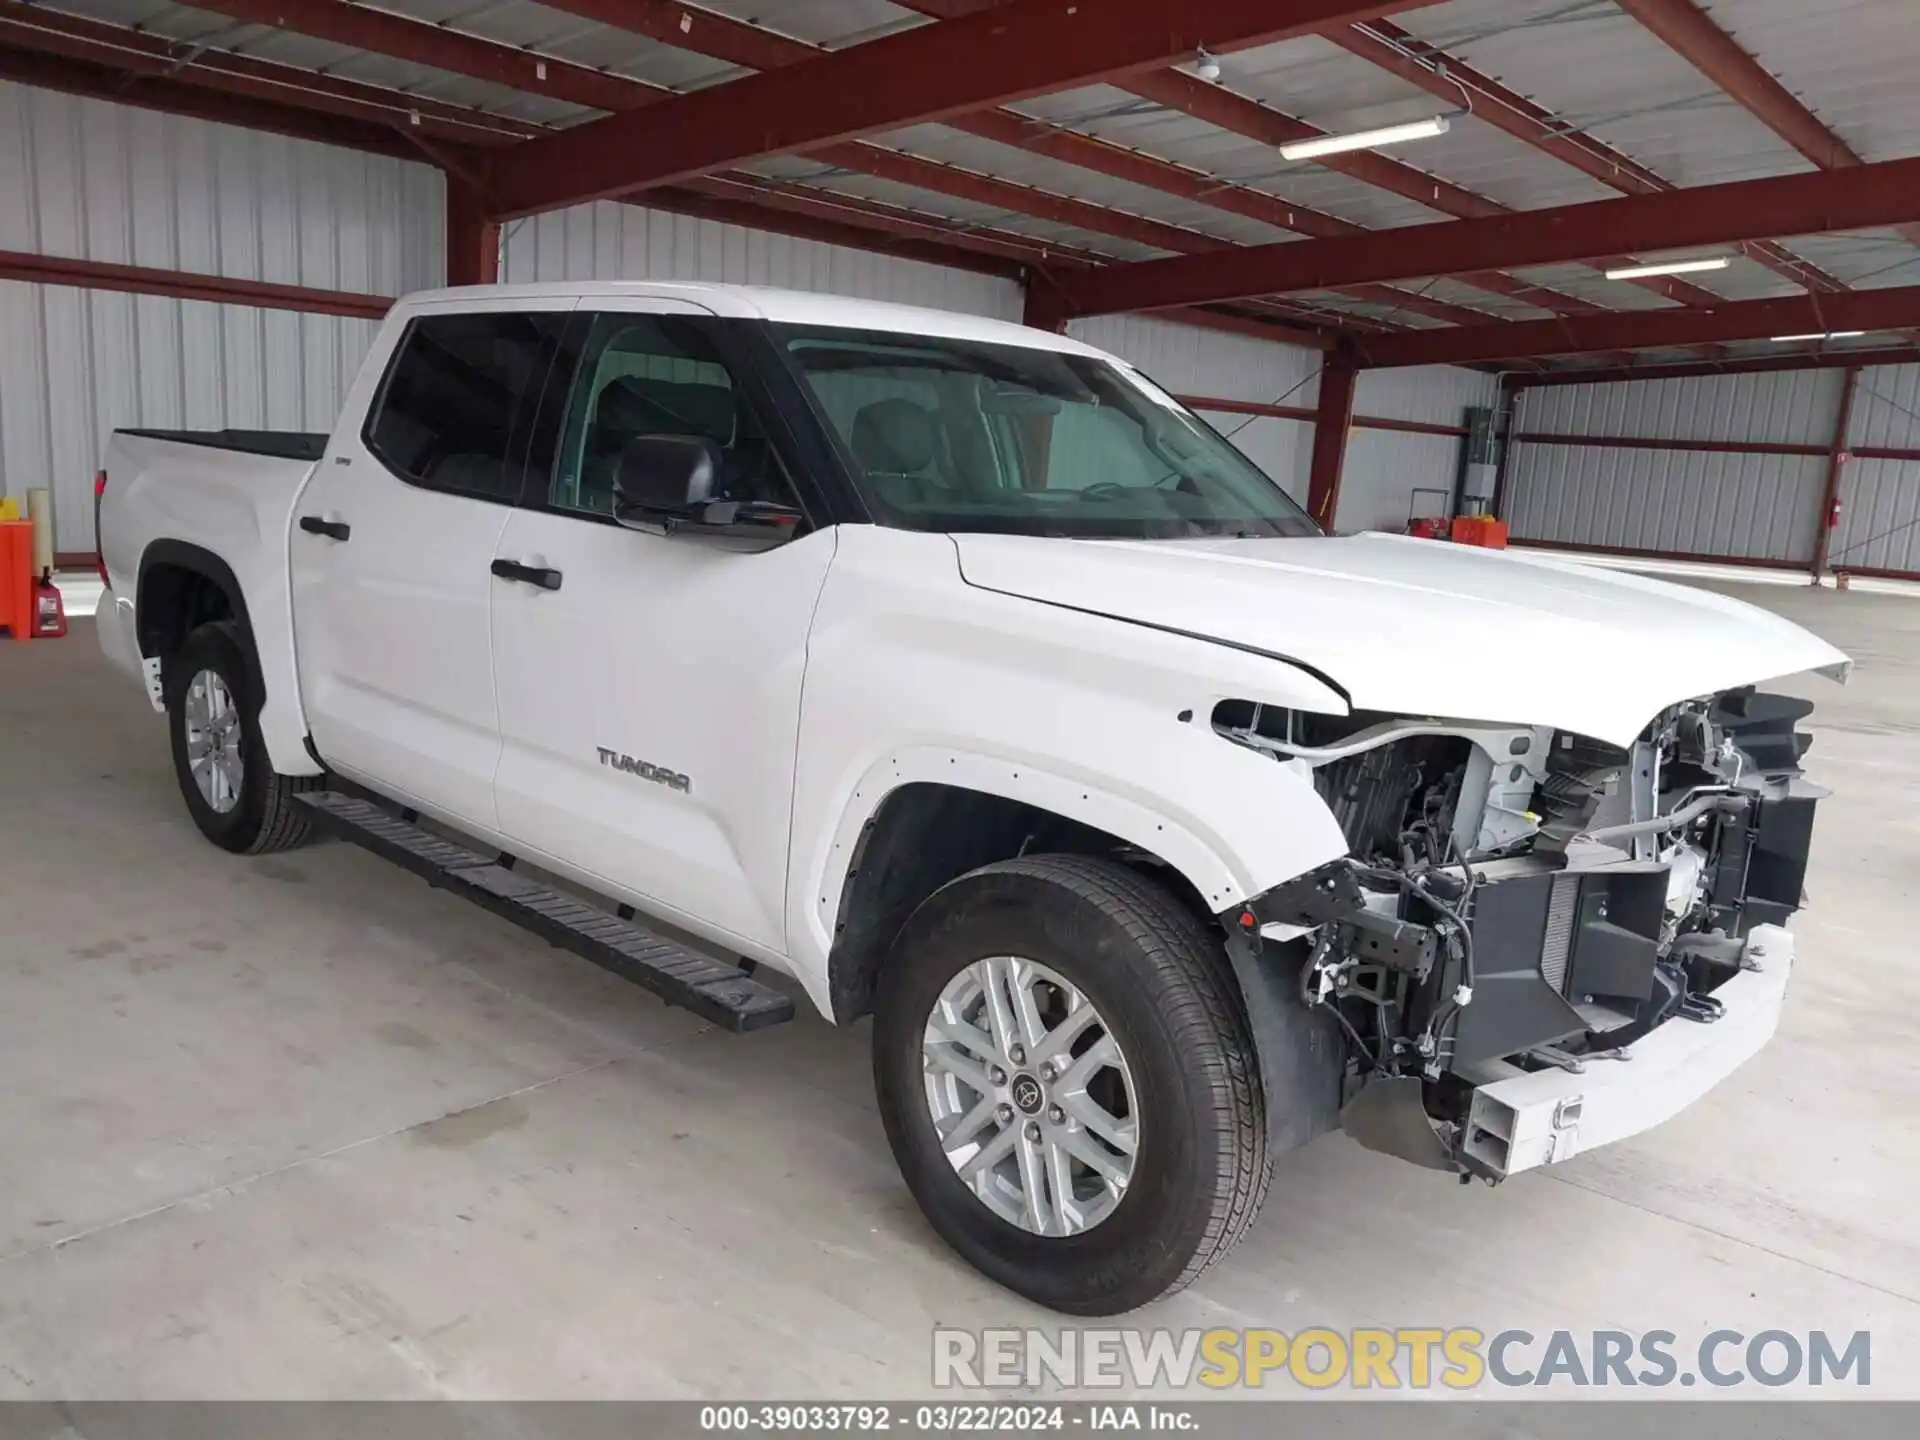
[664, 477]
[666, 484]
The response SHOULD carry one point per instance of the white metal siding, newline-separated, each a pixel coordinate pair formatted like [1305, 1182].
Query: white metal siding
[97, 181]
[1435, 394]
[1281, 448]
[76, 365]
[1740, 505]
[1886, 408]
[1794, 407]
[1743, 506]
[1219, 364]
[1384, 468]
[608, 241]
[1880, 499]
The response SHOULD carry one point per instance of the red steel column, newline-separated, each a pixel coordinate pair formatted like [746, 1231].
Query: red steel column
[1828, 519]
[1045, 309]
[1331, 423]
[473, 240]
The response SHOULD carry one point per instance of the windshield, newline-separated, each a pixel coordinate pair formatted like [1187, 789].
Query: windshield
[956, 435]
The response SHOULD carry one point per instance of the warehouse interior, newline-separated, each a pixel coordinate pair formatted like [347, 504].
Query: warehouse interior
[1638, 278]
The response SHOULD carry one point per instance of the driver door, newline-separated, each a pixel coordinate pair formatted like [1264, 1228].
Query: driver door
[650, 685]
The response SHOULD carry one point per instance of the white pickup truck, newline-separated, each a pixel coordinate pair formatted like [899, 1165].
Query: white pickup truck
[959, 673]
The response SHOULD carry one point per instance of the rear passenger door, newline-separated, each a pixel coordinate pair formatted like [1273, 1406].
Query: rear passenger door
[392, 546]
[650, 699]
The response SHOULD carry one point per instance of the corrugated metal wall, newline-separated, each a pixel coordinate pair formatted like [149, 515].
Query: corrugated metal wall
[1740, 505]
[1880, 498]
[607, 241]
[1190, 361]
[97, 181]
[1383, 467]
[1791, 407]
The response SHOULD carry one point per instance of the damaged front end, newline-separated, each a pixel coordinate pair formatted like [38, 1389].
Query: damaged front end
[1525, 917]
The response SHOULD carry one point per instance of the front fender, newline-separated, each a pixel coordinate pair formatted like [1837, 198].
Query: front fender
[913, 677]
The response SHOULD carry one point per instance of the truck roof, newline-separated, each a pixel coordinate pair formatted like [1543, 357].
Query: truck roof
[761, 302]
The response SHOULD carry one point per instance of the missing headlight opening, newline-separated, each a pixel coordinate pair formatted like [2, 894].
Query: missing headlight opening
[1518, 900]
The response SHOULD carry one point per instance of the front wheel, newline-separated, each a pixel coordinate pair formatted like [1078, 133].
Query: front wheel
[230, 786]
[1068, 1083]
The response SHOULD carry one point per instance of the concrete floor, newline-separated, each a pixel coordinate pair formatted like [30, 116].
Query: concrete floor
[299, 1126]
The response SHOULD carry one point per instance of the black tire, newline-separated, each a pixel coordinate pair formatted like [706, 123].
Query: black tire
[265, 817]
[1161, 981]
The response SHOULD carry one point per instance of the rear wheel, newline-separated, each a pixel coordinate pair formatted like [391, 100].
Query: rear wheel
[1068, 1084]
[213, 710]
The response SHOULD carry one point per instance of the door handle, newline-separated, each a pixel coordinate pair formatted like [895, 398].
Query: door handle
[540, 575]
[332, 529]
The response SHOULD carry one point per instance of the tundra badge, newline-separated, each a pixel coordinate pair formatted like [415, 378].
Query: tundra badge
[646, 770]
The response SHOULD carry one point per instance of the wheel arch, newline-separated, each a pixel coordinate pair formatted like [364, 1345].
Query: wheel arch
[930, 820]
[181, 586]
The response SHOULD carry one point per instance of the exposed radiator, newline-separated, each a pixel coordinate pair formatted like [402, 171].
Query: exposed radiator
[1556, 947]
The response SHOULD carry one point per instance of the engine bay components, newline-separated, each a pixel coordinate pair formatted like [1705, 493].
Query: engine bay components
[1518, 899]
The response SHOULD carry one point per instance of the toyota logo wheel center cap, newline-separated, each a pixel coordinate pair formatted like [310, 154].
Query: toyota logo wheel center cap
[1028, 1094]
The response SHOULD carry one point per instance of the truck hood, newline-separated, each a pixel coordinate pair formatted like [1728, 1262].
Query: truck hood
[1418, 627]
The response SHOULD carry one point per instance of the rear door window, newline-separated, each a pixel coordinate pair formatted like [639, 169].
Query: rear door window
[456, 397]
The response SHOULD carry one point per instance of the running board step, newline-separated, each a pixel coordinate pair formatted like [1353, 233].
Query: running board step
[716, 992]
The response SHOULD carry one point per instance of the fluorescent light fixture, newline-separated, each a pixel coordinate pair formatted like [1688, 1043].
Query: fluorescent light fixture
[1824, 335]
[1365, 139]
[1671, 267]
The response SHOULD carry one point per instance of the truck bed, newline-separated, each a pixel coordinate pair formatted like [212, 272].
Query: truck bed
[279, 444]
[220, 501]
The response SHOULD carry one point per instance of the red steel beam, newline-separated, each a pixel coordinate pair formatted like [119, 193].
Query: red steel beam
[741, 199]
[738, 42]
[34, 27]
[741, 43]
[1827, 519]
[144, 71]
[1339, 379]
[180, 97]
[473, 241]
[1221, 107]
[783, 212]
[1255, 327]
[180, 285]
[1686, 447]
[1026, 48]
[1446, 77]
[920, 236]
[383, 33]
[224, 290]
[1691, 34]
[109, 62]
[1088, 152]
[1830, 360]
[1579, 334]
[1865, 197]
[1749, 365]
